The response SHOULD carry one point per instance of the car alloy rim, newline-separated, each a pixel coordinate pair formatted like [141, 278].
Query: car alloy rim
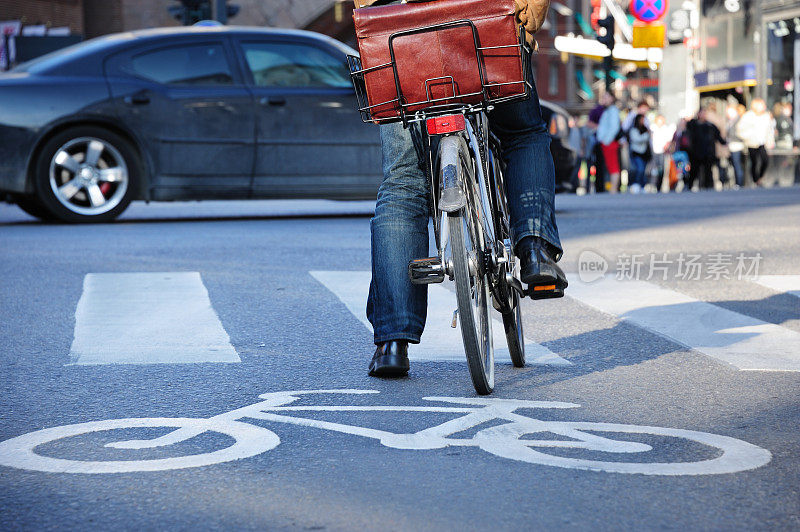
[88, 176]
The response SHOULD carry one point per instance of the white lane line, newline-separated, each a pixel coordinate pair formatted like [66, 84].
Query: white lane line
[742, 341]
[440, 342]
[789, 284]
[148, 318]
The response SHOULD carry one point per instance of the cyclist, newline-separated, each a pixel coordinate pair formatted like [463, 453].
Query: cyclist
[395, 307]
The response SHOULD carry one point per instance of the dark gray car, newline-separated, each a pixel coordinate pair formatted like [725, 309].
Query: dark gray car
[183, 113]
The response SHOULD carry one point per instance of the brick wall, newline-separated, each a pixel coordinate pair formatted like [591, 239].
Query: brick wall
[54, 13]
[110, 16]
[102, 17]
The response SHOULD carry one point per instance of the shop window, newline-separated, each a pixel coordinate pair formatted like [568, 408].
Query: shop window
[783, 67]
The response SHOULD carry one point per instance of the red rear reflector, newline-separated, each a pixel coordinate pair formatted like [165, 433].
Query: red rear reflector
[446, 124]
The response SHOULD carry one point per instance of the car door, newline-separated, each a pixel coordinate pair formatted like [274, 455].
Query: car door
[310, 139]
[187, 102]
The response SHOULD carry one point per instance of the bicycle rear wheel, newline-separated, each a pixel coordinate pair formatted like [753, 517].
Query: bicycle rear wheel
[472, 294]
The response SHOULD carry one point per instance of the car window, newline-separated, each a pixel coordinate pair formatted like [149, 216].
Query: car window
[277, 64]
[198, 64]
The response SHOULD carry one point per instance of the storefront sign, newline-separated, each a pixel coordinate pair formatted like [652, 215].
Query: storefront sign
[726, 78]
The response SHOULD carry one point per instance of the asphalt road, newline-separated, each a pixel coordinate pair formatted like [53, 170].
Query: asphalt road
[645, 346]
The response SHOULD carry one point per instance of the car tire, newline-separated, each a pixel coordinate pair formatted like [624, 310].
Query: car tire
[86, 174]
[31, 205]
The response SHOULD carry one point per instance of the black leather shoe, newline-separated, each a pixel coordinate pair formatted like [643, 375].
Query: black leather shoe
[390, 360]
[539, 270]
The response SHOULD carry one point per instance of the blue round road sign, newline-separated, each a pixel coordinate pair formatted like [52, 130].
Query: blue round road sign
[649, 10]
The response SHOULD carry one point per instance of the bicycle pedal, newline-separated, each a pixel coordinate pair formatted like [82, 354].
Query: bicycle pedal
[426, 271]
[550, 291]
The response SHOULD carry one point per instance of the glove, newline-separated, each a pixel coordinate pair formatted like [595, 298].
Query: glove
[531, 15]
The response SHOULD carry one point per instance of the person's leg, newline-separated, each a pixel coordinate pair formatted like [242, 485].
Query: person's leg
[611, 157]
[530, 173]
[762, 154]
[753, 153]
[658, 170]
[396, 308]
[600, 171]
[694, 167]
[636, 164]
[738, 171]
[705, 176]
[642, 176]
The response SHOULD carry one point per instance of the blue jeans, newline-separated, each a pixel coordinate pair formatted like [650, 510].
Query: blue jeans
[738, 167]
[638, 170]
[395, 307]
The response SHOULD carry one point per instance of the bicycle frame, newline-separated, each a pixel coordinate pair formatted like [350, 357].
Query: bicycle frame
[483, 193]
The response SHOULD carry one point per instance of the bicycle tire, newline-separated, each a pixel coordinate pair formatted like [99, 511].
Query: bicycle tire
[476, 330]
[249, 440]
[515, 338]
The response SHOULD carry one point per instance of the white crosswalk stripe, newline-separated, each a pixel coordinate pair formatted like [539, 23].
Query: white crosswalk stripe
[742, 341]
[789, 284]
[440, 342]
[148, 318]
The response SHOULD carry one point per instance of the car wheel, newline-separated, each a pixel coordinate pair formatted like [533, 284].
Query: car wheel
[86, 174]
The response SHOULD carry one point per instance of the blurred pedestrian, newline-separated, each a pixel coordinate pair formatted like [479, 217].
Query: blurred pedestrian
[639, 140]
[735, 144]
[721, 153]
[757, 130]
[642, 108]
[575, 142]
[662, 137]
[625, 163]
[607, 131]
[679, 151]
[595, 148]
[703, 139]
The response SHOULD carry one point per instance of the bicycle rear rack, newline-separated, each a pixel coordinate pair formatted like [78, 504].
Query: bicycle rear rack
[431, 107]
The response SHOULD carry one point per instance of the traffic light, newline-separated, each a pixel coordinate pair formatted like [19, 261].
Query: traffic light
[225, 11]
[607, 38]
[191, 11]
[231, 10]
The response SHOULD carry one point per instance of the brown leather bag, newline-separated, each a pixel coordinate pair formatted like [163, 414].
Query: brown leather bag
[439, 67]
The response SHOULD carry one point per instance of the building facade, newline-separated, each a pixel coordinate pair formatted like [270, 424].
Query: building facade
[49, 13]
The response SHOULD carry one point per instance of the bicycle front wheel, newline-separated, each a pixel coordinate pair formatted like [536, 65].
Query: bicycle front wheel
[472, 293]
[512, 323]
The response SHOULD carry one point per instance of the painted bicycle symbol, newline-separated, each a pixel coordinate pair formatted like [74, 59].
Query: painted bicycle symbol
[507, 440]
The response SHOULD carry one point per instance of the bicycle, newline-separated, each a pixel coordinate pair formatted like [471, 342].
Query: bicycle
[507, 440]
[468, 200]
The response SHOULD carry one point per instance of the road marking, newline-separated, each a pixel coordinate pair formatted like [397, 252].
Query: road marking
[148, 318]
[505, 440]
[440, 342]
[742, 341]
[789, 284]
